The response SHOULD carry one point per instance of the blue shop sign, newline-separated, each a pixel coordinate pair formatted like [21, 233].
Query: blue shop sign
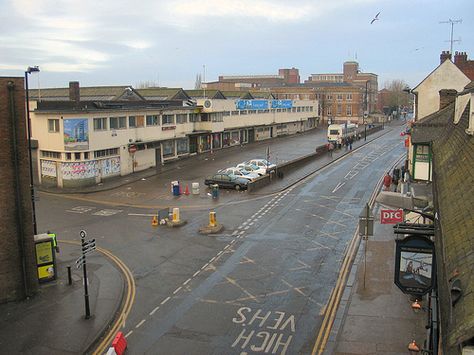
[282, 103]
[251, 104]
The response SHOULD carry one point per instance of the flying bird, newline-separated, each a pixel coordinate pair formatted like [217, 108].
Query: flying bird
[375, 18]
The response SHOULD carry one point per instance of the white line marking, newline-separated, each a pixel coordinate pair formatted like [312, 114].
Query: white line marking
[227, 246]
[142, 214]
[341, 184]
[210, 261]
[205, 266]
[185, 282]
[153, 312]
[128, 334]
[247, 227]
[251, 224]
[219, 253]
[177, 290]
[235, 232]
[165, 300]
[140, 324]
[196, 273]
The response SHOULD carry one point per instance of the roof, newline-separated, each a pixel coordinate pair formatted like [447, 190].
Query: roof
[454, 239]
[445, 63]
[163, 93]
[208, 94]
[432, 126]
[91, 93]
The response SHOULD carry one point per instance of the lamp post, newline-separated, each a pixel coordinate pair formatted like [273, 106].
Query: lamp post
[28, 120]
[366, 112]
[408, 91]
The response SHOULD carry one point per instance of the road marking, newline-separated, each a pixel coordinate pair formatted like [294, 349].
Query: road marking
[235, 232]
[140, 324]
[177, 290]
[106, 212]
[142, 214]
[165, 300]
[341, 184]
[185, 282]
[210, 261]
[153, 312]
[128, 334]
[196, 273]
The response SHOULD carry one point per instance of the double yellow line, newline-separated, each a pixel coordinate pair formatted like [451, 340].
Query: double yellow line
[335, 298]
[127, 302]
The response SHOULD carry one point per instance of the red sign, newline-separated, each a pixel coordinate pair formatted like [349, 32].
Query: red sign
[391, 216]
[168, 128]
[132, 149]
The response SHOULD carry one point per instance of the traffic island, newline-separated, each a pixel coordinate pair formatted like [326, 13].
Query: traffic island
[211, 229]
[173, 224]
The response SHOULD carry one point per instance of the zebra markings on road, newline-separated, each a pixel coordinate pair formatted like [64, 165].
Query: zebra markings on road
[106, 212]
[264, 331]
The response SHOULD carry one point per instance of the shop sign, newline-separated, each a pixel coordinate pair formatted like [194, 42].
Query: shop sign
[414, 265]
[391, 216]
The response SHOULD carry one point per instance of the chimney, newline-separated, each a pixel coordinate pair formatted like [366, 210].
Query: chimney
[74, 92]
[446, 97]
[444, 55]
[460, 58]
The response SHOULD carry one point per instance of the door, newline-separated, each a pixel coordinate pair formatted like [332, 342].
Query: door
[251, 135]
[158, 161]
[193, 144]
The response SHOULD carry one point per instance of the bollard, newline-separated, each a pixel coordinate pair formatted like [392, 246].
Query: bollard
[195, 188]
[212, 219]
[69, 277]
[175, 215]
[119, 343]
[154, 221]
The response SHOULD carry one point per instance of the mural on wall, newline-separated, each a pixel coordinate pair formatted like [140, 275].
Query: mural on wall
[76, 134]
[80, 170]
[110, 166]
[48, 168]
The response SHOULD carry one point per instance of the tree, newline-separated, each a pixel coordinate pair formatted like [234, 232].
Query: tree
[397, 97]
[147, 84]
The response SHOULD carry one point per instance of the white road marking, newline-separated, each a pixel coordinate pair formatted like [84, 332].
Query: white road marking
[140, 324]
[141, 214]
[128, 334]
[341, 184]
[165, 300]
[185, 282]
[153, 312]
[177, 290]
[210, 261]
[196, 273]
[205, 266]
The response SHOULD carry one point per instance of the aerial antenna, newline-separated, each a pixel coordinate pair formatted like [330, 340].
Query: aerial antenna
[204, 80]
[452, 22]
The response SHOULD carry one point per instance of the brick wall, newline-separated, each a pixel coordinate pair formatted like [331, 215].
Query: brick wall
[16, 281]
[454, 194]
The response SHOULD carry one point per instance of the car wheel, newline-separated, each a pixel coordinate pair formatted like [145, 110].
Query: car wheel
[237, 187]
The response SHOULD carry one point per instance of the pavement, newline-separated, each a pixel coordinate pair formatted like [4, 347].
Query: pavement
[53, 322]
[373, 319]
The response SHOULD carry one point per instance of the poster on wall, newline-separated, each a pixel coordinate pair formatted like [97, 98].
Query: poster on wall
[76, 134]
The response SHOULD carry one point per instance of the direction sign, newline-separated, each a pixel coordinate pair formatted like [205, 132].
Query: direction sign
[89, 250]
[80, 261]
[89, 242]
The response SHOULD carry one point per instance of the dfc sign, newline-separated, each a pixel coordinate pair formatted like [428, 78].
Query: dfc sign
[391, 216]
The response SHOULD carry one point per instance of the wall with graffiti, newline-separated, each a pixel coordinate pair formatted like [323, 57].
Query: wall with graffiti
[79, 170]
[48, 168]
[110, 166]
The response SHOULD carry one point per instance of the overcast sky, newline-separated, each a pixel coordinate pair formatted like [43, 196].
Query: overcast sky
[104, 42]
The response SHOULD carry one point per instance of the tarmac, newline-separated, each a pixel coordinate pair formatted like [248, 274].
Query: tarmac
[371, 319]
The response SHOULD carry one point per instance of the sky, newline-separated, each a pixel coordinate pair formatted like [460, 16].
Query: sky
[169, 42]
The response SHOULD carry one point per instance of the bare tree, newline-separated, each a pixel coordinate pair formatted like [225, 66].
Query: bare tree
[198, 82]
[147, 84]
[398, 96]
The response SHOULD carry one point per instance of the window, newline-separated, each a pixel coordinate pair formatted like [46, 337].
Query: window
[349, 97]
[100, 124]
[48, 154]
[329, 96]
[132, 121]
[53, 125]
[68, 156]
[329, 111]
[217, 117]
[118, 122]
[235, 113]
[226, 113]
[339, 110]
[77, 156]
[182, 118]
[182, 145]
[86, 155]
[167, 148]
[167, 119]
[152, 120]
[106, 152]
[349, 110]
[193, 117]
[339, 97]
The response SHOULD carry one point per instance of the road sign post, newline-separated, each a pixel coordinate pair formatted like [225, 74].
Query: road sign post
[86, 248]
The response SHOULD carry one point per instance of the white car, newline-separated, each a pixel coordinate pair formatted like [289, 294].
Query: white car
[252, 168]
[262, 163]
[240, 173]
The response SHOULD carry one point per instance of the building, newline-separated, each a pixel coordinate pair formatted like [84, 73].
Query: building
[461, 61]
[351, 74]
[83, 142]
[449, 134]
[249, 82]
[18, 275]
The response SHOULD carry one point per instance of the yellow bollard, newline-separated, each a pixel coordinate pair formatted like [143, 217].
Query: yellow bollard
[154, 221]
[212, 219]
[175, 215]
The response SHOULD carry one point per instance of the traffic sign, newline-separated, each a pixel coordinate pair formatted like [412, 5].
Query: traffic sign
[88, 242]
[80, 261]
[82, 234]
[88, 250]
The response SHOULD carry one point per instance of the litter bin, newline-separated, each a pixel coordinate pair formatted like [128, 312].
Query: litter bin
[175, 185]
[215, 190]
[45, 257]
[195, 188]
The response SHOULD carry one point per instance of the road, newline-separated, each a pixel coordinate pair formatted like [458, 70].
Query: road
[261, 286]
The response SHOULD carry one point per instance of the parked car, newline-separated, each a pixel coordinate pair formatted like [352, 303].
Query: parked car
[262, 163]
[252, 168]
[240, 173]
[228, 181]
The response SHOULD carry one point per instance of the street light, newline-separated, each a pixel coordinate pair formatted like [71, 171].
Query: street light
[32, 187]
[408, 91]
[366, 112]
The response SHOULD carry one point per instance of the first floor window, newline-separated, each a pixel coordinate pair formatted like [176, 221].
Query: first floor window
[152, 120]
[118, 122]
[100, 124]
[182, 118]
[349, 110]
[167, 119]
[53, 125]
